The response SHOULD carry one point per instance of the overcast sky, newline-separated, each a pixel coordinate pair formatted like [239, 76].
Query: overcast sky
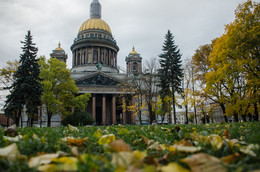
[142, 23]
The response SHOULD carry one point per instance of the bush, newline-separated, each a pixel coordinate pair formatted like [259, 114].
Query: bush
[78, 119]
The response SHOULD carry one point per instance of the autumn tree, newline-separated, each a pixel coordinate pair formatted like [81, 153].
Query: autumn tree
[60, 94]
[7, 73]
[202, 66]
[26, 90]
[150, 88]
[235, 62]
[171, 72]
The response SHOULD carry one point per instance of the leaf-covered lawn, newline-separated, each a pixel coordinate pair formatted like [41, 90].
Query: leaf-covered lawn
[210, 147]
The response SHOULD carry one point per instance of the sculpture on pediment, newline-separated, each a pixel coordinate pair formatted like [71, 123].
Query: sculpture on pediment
[97, 80]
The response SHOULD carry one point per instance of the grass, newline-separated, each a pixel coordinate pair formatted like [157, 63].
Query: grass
[38, 141]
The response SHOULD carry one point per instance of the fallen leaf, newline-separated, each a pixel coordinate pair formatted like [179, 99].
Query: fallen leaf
[13, 139]
[75, 151]
[123, 131]
[157, 146]
[215, 141]
[147, 141]
[78, 142]
[119, 146]
[226, 134]
[72, 128]
[98, 134]
[173, 167]
[42, 159]
[127, 159]
[184, 142]
[230, 158]
[249, 149]
[11, 131]
[10, 152]
[204, 163]
[106, 139]
[65, 160]
[186, 149]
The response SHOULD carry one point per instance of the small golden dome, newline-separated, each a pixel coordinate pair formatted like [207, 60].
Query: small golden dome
[59, 48]
[133, 51]
[95, 23]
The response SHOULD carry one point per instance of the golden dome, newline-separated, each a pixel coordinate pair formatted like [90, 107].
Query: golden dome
[133, 51]
[59, 48]
[95, 23]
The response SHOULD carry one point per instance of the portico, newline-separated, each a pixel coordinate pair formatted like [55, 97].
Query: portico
[108, 97]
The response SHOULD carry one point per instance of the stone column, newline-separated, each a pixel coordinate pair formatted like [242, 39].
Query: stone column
[92, 55]
[114, 109]
[116, 59]
[104, 115]
[124, 111]
[132, 115]
[98, 56]
[94, 107]
[76, 59]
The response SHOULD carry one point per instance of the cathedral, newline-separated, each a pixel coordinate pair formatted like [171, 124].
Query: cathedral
[95, 69]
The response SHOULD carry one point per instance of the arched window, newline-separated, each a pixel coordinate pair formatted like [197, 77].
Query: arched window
[135, 67]
[95, 56]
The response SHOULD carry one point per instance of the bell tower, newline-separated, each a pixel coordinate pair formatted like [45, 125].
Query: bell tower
[59, 54]
[133, 63]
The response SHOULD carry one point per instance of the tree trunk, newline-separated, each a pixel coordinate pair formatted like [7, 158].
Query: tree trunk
[174, 113]
[187, 119]
[49, 115]
[195, 114]
[31, 122]
[20, 116]
[223, 111]
[140, 117]
[244, 117]
[256, 112]
[40, 116]
[17, 119]
[236, 117]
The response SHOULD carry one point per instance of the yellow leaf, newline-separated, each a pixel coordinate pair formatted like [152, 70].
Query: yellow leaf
[185, 149]
[126, 159]
[98, 134]
[78, 142]
[106, 139]
[173, 167]
[10, 152]
[215, 141]
[204, 163]
[230, 158]
[123, 131]
[65, 160]
[119, 146]
[72, 128]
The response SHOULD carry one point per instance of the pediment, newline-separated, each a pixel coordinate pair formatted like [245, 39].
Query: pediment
[98, 79]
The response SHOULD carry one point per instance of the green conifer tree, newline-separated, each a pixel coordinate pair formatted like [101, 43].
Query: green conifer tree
[26, 89]
[171, 69]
